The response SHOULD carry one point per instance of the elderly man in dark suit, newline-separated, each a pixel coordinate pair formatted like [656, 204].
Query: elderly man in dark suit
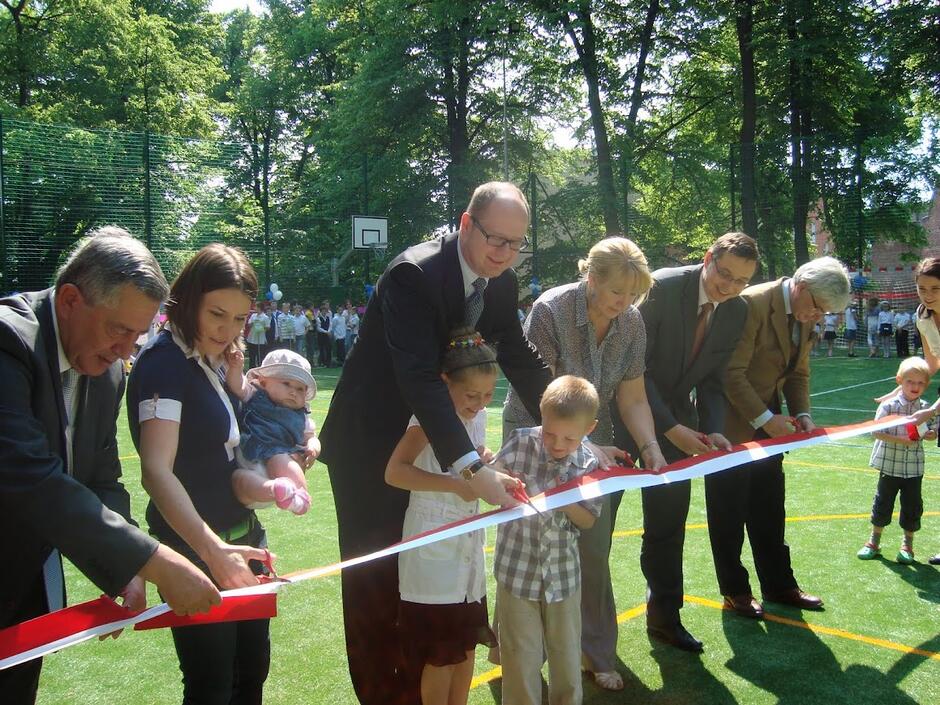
[770, 365]
[693, 318]
[463, 278]
[61, 364]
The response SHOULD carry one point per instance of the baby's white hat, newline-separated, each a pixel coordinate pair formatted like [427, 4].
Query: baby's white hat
[286, 364]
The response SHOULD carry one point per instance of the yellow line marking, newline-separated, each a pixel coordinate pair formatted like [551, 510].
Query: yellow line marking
[809, 517]
[830, 631]
[497, 672]
[129, 457]
[867, 470]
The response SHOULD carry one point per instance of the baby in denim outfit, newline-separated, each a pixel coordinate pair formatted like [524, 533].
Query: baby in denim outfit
[278, 438]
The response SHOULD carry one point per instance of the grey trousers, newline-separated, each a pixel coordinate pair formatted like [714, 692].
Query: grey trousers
[598, 611]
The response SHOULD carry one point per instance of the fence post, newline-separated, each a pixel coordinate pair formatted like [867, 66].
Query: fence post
[148, 224]
[533, 205]
[266, 208]
[734, 214]
[3, 232]
[860, 234]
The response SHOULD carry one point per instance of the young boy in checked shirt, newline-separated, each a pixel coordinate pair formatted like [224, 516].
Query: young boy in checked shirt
[899, 458]
[538, 574]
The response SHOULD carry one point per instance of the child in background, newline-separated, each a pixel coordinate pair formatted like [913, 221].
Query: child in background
[275, 426]
[900, 461]
[443, 586]
[830, 321]
[537, 568]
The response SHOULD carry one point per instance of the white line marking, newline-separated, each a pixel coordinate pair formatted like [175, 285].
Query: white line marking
[851, 386]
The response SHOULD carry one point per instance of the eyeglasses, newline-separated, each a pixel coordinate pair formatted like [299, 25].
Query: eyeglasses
[728, 277]
[817, 309]
[499, 242]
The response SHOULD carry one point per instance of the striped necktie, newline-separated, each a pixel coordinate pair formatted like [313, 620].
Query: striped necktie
[473, 306]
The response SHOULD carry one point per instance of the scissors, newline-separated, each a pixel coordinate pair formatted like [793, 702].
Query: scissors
[272, 575]
[520, 494]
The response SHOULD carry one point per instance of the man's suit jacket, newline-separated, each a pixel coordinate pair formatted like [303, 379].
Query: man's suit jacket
[670, 314]
[84, 511]
[394, 372]
[763, 370]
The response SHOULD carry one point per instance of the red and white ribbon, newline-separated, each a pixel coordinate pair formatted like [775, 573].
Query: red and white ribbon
[73, 625]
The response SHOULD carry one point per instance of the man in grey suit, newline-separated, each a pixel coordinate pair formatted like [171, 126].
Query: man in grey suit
[61, 364]
[693, 317]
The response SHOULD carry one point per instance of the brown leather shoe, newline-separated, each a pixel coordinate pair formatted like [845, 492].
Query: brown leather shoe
[745, 605]
[795, 598]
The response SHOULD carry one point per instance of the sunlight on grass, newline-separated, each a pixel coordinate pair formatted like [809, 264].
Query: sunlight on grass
[745, 662]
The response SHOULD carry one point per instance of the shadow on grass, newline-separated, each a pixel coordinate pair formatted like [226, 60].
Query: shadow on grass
[922, 576]
[797, 667]
[685, 680]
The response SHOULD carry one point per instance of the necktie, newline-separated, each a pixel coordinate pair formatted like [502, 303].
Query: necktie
[69, 380]
[700, 327]
[794, 331]
[52, 568]
[473, 306]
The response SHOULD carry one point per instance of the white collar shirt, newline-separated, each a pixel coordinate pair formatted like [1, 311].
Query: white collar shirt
[469, 276]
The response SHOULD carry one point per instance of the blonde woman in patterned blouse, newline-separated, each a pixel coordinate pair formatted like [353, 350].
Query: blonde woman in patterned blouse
[592, 329]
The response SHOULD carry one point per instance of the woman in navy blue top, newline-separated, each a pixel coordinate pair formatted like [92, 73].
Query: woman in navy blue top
[183, 422]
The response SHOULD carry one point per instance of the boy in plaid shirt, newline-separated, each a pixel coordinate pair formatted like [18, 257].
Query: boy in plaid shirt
[538, 574]
[900, 459]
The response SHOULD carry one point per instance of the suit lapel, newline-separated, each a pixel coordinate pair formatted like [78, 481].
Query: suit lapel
[778, 317]
[43, 310]
[453, 284]
[688, 308]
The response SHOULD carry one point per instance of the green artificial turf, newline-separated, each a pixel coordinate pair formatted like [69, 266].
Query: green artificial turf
[880, 632]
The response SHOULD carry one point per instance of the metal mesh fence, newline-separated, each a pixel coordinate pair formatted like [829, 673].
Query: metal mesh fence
[57, 182]
[177, 194]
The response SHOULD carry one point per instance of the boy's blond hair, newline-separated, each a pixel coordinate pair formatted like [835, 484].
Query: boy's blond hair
[913, 364]
[570, 397]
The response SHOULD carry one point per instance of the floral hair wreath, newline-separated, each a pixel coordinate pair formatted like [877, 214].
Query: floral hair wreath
[474, 340]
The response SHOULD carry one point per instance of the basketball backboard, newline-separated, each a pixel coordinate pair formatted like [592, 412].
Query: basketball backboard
[369, 233]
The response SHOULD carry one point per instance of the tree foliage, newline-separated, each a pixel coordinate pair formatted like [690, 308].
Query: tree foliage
[678, 121]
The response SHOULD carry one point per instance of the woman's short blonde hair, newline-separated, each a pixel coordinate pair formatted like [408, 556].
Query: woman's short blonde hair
[618, 256]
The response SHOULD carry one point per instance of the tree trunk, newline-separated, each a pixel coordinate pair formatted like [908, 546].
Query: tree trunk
[22, 61]
[744, 21]
[456, 86]
[586, 47]
[636, 100]
[799, 137]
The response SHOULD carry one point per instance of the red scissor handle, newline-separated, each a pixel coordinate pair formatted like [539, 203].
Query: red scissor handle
[268, 562]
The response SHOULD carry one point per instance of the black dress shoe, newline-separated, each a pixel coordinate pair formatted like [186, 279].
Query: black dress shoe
[795, 598]
[745, 605]
[677, 636]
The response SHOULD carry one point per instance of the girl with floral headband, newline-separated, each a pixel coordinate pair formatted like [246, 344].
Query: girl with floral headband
[443, 586]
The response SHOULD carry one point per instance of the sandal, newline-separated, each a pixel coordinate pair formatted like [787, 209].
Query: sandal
[609, 680]
[868, 551]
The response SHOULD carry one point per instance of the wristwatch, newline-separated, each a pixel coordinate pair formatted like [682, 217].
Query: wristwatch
[468, 472]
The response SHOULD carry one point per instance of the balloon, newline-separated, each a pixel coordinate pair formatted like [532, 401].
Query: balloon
[268, 295]
[273, 287]
[278, 295]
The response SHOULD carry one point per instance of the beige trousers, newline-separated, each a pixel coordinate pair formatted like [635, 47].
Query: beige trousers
[530, 630]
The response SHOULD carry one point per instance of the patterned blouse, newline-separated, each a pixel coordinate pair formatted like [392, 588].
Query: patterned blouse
[559, 328]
